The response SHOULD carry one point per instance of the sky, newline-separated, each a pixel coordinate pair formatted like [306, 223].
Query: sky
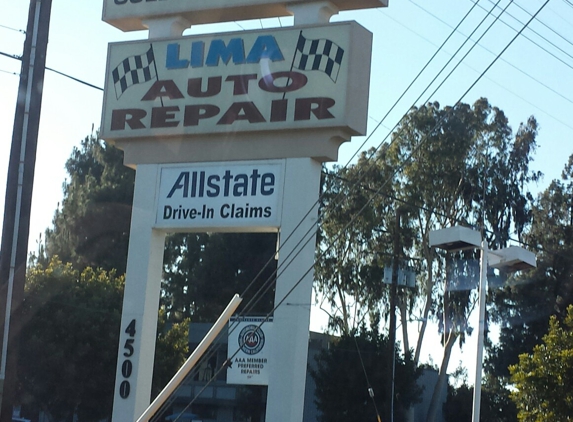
[533, 76]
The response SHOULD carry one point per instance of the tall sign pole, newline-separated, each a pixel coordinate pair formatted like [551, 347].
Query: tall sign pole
[227, 133]
[16, 226]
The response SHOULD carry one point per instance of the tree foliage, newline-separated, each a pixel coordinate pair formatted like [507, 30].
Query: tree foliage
[171, 351]
[353, 364]
[543, 379]
[69, 341]
[523, 308]
[91, 228]
[496, 405]
[459, 165]
[203, 271]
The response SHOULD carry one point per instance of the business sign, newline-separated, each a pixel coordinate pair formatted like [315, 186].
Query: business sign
[304, 78]
[128, 15]
[249, 351]
[236, 195]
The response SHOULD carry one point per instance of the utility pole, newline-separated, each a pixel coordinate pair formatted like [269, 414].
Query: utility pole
[19, 186]
[393, 298]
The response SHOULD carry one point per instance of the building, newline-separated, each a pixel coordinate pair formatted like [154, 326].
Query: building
[217, 401]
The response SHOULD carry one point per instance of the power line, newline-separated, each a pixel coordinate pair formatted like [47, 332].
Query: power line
[74, 79]
[352, 220]
[421, 142]
[13, 56]
[13, 29]
[491, 52]
[537, 44]
[311, 231]
[409, 86]
[547, 26]
[509, 64]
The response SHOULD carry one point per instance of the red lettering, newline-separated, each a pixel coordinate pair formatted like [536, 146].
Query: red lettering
[241, 83]
[194, 113]
[294, 81]
[279, 110]
[163, 117]
[194, 87]
[304, 107]
[130, 116]
[163, 89]
[242, 111]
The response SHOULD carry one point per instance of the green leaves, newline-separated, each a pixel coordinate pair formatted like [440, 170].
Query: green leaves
[524, 307]
[92, 226]
[342, 386]
[543, 379]
[69, 340]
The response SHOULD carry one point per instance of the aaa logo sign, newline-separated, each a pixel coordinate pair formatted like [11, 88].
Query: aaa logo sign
[249, 349]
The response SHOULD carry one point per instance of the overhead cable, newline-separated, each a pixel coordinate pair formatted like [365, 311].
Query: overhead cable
[540, 46]
[13, 56]
[567, 40]
[13, 29]
[268, 283]
[506, 62]
[421, 142]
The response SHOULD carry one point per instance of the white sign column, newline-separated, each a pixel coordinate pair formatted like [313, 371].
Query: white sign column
[287, 378]
[141, 302]
[134, 373]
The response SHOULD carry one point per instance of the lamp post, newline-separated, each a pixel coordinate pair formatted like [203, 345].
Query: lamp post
[513, 258]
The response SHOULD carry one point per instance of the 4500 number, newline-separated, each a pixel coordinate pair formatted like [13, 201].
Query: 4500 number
[127, 366]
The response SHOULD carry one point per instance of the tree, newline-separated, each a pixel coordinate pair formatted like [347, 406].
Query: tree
[70, 338]
[496, 405]
[543, 379]
[91, 228]
[458, 165]
[350, 367]
[69, 341]
[352, 250]
[201, 271]
[171, 351]
[523, 307]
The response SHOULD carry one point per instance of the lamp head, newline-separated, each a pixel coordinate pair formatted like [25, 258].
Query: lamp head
[455, 239]
[513, 258]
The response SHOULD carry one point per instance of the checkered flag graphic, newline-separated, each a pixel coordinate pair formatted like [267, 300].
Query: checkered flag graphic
[320, 54]
[134, 70]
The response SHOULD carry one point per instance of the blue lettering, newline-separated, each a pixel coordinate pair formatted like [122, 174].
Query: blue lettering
[172, 60]
[213, 186]
[197, 53]
[218, 49]
[241, 185]
[265, 47]
[181, 183]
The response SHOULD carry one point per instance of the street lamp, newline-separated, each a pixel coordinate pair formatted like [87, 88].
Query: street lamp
[513, 258]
